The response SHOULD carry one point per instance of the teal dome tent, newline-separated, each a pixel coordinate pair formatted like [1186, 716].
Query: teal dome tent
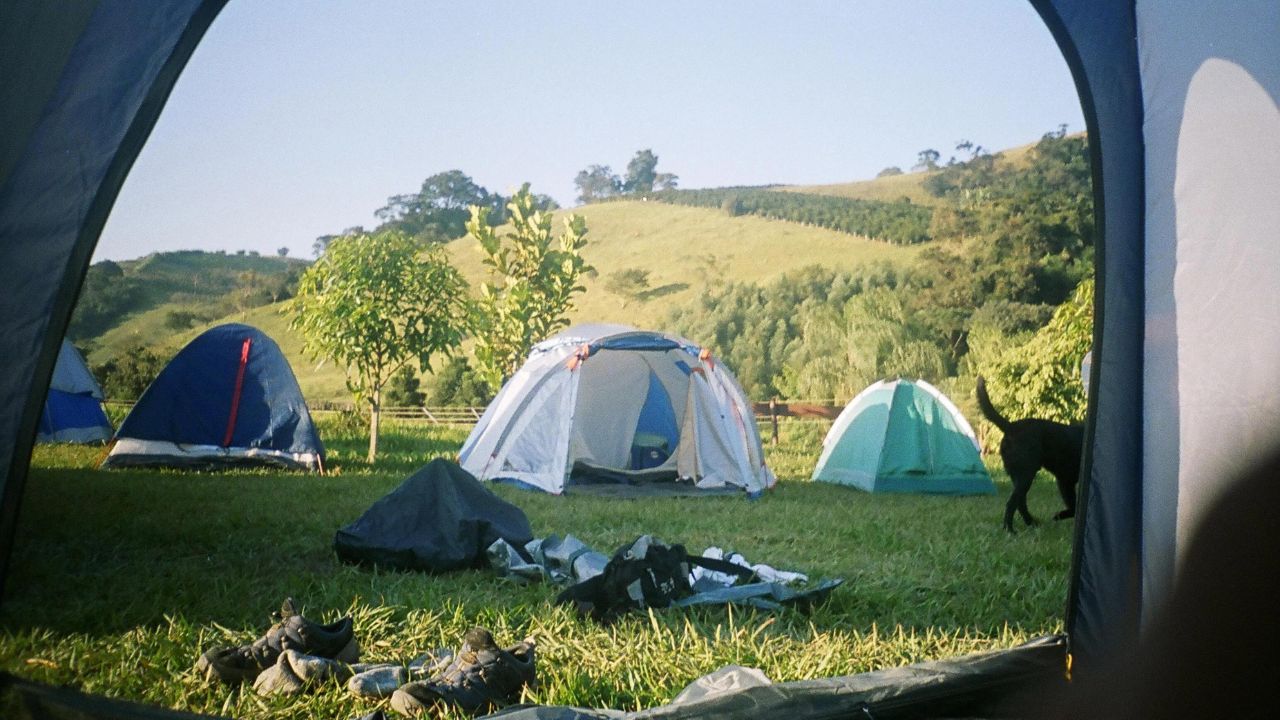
[903, 436]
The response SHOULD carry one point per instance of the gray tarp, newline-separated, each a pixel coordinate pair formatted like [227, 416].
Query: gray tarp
[439, 519]
[961, 687]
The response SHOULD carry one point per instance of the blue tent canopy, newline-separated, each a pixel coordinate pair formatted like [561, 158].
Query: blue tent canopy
[228, 397]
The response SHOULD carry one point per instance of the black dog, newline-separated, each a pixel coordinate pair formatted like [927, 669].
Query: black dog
[1029, 445]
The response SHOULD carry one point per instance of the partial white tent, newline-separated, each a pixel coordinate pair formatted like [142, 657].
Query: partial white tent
[611, 402]
[73, 407]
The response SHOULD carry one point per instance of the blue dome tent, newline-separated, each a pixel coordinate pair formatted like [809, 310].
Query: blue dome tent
[1180, 100]
[228, 398]
[73, 408]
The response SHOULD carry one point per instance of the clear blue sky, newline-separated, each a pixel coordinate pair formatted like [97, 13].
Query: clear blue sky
[295, 119]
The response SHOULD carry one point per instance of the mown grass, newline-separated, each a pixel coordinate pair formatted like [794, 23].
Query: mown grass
[120, 579]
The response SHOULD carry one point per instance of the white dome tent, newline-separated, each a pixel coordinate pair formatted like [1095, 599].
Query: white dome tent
[609, 402]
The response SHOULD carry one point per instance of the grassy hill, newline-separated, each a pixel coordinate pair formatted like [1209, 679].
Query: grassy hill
[908, 185]
[125, 303]
[685, 249]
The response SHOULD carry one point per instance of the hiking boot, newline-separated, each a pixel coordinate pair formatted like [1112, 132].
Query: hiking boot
[291, 631]
[294, 672]
[482, 677]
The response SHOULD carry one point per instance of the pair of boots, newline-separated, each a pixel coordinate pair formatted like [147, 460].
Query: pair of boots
[296, 652]
[291, 634]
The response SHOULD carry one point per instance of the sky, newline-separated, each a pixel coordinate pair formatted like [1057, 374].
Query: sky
[295, 119]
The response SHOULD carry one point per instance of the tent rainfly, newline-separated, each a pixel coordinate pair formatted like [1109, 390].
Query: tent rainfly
[608, 402]
[903, 436]
[1180, 104]
[73, 408]
[228, 398]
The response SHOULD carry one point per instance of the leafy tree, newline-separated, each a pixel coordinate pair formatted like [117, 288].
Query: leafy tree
[536, 278]
[628, 284]
[641, 172]
[1039, 374]
[873, 336]
[927, 160]
[179, 319]
[403, 388]
[321, 243]
[597, 183]
[127, 376]
[438, 211]
[889, 171]
[282, 251]
[457, 383]
[665, 181]
[373, 303]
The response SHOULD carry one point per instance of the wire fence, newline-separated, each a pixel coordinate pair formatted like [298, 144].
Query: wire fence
[470, 414]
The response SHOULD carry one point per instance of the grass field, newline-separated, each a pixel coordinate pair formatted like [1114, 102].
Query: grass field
[120, 579]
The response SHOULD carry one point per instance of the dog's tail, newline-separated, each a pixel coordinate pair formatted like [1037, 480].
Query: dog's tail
[988, 410]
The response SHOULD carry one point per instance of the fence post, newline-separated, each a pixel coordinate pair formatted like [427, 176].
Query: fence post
[773, 418]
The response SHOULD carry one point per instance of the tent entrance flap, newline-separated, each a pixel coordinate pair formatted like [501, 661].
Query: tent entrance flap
[657, 429]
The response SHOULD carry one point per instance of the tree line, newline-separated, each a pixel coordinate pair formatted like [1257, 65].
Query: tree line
[437, 212]
[598, 182]
[1004, 289]
[900, 223]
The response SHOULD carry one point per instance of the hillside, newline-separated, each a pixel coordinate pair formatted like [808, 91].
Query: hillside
[685, 249]
[166, 292]
[908, 185]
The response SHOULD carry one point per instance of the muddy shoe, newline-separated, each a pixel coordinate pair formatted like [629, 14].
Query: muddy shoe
[291, 631]
[482, 677]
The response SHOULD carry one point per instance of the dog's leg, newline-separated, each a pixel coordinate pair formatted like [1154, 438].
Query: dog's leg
[1067, 489]
[1018, 501]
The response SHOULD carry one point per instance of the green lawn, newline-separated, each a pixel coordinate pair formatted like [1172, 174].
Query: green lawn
[120, 579]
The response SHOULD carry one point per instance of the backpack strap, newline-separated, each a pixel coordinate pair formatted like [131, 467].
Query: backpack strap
[745, 574]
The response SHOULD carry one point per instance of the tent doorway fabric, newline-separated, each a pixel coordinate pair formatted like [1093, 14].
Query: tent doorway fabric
[611, 404]
[903, 436]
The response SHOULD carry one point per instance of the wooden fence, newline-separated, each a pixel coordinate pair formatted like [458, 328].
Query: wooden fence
[469, 415]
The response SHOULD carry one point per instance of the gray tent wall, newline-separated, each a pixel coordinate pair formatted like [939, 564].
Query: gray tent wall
[1180, 103]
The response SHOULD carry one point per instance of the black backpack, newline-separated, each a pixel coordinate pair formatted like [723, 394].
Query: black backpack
[641, 574]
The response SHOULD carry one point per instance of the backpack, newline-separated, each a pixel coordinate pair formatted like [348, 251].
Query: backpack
[642, 574]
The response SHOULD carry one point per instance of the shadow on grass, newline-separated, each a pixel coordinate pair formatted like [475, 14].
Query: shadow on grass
[662, 291]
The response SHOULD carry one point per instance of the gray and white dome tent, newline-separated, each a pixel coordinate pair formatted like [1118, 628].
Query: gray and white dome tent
[615, 402]
[1180, 102]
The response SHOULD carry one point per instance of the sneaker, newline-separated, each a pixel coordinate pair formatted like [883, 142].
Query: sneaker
[482, 677]
[381, 680]
[291, 631]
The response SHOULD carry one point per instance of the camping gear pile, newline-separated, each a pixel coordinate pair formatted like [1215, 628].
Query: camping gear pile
[647, 573]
